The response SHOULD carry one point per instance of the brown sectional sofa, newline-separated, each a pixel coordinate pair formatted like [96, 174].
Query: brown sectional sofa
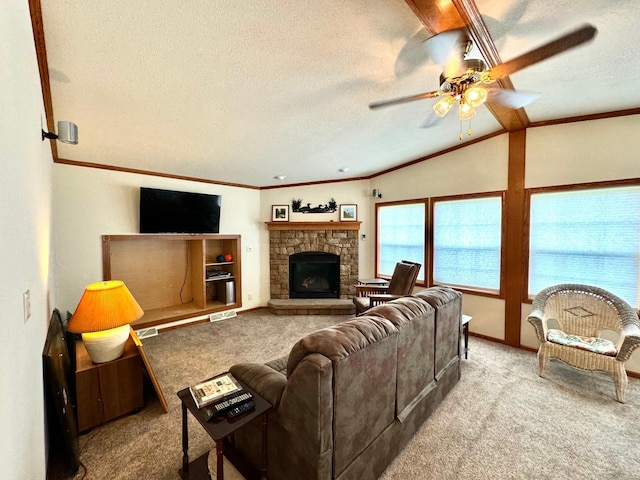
[348, 398]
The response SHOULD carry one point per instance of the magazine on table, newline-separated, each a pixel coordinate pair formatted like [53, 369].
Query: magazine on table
[214, 389]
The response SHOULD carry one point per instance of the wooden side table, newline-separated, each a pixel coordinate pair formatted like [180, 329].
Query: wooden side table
[464, 320]
[373, 281]
[108, 390]
[219, 428]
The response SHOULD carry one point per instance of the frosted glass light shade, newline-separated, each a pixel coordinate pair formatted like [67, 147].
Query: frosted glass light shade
[475, 96]
[106, 345]
[443, 105]
[466, 111]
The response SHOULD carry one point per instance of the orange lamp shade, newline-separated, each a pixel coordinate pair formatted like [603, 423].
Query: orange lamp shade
[103, 306]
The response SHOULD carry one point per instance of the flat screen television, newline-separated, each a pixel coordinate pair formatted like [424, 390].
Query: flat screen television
[59, 393]
[169, 211]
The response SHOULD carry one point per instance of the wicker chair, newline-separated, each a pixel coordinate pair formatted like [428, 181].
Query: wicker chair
[401, 284]
[581, 312]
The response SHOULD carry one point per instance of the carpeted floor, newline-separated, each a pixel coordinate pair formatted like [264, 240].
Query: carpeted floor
[501, 421]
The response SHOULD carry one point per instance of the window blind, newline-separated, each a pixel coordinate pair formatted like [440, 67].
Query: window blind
[467, 237]
[586, 236]
[401, 232]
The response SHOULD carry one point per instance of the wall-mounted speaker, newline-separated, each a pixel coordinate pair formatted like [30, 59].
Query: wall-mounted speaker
[68, 132]
[376, 193]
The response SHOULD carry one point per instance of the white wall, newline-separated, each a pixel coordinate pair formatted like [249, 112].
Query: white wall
[25, 256]
[583, 152]
[89, 203]
[481, 167]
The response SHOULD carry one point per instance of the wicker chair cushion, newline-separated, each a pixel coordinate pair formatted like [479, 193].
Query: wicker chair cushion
[591, 344]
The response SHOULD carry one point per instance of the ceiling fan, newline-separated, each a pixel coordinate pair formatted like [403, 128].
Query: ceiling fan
[468, 81]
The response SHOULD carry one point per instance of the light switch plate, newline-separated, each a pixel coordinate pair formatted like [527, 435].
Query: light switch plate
[26, 305]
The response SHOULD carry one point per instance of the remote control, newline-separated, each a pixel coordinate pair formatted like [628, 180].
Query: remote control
[241, 408]
[228, 403]
[225, 405]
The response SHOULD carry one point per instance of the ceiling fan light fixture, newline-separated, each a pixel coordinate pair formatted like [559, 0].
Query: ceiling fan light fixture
[442, 106]
[466, 111]
[475, 96]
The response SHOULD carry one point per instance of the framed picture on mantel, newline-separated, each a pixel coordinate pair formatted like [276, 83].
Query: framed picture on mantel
[348, 213]
[279, 213]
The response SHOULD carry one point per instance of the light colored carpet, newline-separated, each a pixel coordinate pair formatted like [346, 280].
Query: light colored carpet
[501, 421]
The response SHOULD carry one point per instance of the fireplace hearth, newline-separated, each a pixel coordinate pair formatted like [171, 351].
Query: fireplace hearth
[314, 275]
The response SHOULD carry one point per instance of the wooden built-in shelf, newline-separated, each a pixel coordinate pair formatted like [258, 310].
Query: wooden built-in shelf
[167, 274]
[313, 225]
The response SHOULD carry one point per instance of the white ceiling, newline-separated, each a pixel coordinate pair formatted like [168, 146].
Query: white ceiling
[239, 92]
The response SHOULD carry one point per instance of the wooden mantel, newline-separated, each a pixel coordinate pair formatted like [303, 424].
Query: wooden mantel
[313, 225]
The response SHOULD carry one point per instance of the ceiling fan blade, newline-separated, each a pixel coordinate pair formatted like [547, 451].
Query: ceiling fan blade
[431, 120]
[447, 50]
[413, 55]
[564, 43]
[511, 98]
[410, 98]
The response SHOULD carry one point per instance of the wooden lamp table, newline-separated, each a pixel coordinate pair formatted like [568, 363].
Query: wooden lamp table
[105, 391]
[219, 429]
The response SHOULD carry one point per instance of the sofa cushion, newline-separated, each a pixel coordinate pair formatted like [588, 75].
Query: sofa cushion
[448, 305]
[415, 320]
[339, 341]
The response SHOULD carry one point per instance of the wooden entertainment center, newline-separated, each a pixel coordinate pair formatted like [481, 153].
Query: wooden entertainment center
[175, 276]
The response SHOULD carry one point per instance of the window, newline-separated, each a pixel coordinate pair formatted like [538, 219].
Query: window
[467, 236]
[586, 236]
[401, 232]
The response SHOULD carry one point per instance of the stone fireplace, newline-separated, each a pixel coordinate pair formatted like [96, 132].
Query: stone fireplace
[336, 238]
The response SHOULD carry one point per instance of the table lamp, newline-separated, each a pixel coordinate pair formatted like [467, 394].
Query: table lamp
[103, 316]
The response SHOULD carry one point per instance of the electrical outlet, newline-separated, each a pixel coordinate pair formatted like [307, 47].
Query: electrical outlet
[249, 296]
[26, 305]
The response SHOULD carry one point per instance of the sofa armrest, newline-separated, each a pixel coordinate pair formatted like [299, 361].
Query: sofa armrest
[264, 380]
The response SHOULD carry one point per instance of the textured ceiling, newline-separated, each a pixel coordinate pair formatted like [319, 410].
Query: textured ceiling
[239, 92]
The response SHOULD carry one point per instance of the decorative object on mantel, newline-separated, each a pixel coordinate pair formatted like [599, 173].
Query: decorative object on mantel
[279, 213]
[348, 212]
[296, 206]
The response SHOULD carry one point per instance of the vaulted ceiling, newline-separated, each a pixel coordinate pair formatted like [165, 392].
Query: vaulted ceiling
[241, 92]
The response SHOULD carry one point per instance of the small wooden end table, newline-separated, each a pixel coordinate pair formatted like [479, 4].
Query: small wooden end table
[105, 391]
[464, 320]
[219, 429]
[373, 281]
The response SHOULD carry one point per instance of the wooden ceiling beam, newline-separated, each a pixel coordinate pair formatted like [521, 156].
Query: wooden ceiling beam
[440, 15]
[35, 10]
[437, 16]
